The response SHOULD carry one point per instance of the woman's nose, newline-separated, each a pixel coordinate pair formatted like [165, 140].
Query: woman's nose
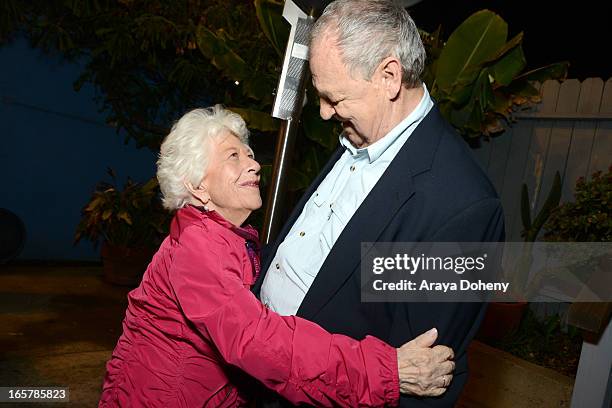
[254, 165]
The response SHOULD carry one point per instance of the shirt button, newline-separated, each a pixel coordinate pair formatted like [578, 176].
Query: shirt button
[353, 168]
[302, 233]
[277, 266]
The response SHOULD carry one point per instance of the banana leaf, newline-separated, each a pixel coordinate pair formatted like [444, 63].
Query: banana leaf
[474, 42]
[270, 16]
[257, 120]
[221, 55]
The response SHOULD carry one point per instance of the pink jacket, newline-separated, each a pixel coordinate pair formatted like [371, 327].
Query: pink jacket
[193, 318]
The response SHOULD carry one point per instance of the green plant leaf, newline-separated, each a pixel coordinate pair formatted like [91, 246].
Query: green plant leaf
[510, 45]
[509, 66]
[259, 89]
[522, 88]
[220, 54]
[150, 185]
[107, 214]
[257, 120]
[123, 215]
[474, 42]
[557, 70]
[93, 204]
[483, 91]
[270, 16]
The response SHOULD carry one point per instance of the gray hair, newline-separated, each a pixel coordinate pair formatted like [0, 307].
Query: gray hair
[183, 156]
[368, 31]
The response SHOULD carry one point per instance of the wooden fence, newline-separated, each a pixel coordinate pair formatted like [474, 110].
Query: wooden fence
[569, 132]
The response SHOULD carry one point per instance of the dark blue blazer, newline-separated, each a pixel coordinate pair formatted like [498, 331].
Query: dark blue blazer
[433, 191]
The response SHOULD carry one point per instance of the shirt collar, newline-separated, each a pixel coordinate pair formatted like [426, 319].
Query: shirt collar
[376, 149]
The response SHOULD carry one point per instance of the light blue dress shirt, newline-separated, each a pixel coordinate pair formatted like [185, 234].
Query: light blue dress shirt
[300, 256]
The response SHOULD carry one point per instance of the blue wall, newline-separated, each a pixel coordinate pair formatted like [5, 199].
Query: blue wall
[55, 148]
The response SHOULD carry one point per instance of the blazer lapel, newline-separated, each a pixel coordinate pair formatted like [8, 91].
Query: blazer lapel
[394, 188]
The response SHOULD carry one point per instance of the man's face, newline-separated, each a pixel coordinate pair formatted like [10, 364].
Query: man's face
[357, 103]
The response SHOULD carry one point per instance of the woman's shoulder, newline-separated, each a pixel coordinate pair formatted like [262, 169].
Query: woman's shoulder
[190, 225]
[187, 218]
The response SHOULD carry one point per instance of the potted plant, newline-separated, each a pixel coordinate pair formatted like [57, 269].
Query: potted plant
[130, 222]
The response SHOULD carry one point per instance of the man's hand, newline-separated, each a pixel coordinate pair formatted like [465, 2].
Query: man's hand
[424, 370]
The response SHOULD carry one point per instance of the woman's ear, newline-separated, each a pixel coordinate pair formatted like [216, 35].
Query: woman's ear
[199, 193]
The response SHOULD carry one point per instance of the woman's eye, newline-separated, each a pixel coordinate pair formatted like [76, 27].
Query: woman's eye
[234, 155]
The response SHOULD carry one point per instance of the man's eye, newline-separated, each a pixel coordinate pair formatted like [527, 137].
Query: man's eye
[234, 155]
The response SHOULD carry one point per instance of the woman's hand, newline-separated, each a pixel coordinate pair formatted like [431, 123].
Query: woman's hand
[424, 370]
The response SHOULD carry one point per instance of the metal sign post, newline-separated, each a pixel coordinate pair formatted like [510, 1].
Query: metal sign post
[287, 106]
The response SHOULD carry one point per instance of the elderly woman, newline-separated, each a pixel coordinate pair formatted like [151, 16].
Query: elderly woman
[192, 325]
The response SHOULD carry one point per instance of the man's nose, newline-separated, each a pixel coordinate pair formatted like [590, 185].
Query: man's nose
[326, 110]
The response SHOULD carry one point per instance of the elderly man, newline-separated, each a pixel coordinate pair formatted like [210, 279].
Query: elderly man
[400, 174]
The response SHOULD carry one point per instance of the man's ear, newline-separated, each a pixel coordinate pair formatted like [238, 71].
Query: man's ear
[391, 73]
[199, 193]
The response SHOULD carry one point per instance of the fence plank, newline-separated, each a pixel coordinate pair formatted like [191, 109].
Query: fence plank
[529, 168]
[583, 136]
[522, 132]
[601, 155]
[559, 142]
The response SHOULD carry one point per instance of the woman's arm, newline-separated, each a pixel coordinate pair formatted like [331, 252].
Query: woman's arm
[290, 355]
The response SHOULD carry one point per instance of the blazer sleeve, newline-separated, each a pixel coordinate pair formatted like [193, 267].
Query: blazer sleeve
[457, 323]
[294, 357]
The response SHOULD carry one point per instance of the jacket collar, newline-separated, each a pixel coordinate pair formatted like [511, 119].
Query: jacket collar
[191, 214]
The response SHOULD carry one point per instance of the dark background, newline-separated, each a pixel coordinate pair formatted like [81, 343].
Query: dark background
[574, 31]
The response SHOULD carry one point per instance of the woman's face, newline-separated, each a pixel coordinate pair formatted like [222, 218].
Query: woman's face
[231, 183]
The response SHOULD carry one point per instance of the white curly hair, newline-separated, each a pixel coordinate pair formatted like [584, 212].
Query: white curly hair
[183, 157]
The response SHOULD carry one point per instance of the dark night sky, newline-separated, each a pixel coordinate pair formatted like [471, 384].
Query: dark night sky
[577, 31]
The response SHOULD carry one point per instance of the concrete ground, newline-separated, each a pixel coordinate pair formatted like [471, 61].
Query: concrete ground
[58, 326]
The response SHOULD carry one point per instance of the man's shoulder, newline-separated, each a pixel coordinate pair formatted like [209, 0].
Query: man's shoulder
[455, 174]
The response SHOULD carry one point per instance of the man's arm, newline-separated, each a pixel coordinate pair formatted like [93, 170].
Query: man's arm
[457, 323]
